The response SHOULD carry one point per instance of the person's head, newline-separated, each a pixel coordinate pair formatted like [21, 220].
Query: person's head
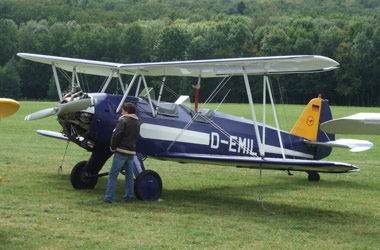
[130, 108]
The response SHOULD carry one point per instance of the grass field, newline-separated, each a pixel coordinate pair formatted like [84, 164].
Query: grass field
[202, 206]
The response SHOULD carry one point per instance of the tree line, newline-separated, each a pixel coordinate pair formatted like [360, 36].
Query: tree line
[120, 31]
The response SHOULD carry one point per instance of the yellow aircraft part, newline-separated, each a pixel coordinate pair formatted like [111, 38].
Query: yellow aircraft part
[8, 107]
[308, 123]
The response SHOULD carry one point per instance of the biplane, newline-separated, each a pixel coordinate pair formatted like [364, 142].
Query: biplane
[178, 132]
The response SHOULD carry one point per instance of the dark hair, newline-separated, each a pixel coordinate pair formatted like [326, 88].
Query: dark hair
[129, 107]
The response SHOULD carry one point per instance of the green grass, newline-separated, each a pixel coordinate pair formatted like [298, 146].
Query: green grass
[202, 206]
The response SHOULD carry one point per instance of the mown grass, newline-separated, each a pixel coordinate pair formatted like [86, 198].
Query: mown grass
[202, 206]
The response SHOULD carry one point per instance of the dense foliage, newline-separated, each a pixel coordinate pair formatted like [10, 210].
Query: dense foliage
[165, 30]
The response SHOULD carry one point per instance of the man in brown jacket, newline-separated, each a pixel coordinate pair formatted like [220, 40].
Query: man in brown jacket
[123, 144]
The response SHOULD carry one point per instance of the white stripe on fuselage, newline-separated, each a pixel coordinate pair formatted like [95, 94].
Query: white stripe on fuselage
[158, 132]
[165, 133]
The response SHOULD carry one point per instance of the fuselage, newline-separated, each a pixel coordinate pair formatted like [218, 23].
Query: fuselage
[178, 128]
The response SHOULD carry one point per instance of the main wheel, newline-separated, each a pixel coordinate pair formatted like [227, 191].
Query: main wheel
[313, 176]
[148, 186]
[81, 179]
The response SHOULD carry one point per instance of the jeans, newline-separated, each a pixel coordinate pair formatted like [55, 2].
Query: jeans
[119, 162]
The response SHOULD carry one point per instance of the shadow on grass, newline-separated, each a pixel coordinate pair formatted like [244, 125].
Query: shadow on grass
[299, 212]
[294, 198]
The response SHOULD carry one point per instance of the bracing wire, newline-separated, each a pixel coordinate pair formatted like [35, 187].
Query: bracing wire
[217, 89]
[171, 91]
[87, 86]
[284, 111]
[103, 83]
[65, 75]
[224, 98]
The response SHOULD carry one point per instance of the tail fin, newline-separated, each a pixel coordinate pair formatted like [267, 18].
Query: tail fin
[307, 126]
[315, 113]
[308, 123]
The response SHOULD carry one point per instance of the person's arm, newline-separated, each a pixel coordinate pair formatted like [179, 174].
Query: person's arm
[117, 135]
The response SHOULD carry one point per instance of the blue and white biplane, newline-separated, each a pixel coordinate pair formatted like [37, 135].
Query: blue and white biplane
[177, 132]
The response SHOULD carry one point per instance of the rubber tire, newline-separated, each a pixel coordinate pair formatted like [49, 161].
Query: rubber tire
[313, 176]
[79, 179]
[148, 186]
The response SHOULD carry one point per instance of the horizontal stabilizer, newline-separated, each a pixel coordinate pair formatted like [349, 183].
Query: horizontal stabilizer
[360, 124]
[353, 144]
[261, 163]
[52, 134]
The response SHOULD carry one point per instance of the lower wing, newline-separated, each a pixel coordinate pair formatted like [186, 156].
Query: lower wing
[247, 161]
[52, 134]
[261, 163]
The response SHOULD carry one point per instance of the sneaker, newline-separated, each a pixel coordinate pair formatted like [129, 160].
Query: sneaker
[105, 201]
[128, 200]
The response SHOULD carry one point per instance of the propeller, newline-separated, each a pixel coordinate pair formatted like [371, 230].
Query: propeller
[62, 108]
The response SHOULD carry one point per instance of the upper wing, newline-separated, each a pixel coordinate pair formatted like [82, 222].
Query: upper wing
[360, 123]
[195, 68]
[236, 66]
[69, 64]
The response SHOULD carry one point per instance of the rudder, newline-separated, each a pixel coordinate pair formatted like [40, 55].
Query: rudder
[307, 124]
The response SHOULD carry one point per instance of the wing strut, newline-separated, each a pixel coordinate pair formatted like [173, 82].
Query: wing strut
[57, 82]
[138, 87]
[160, 94]
[254, 119]
[196, 96]
[260, 139]
[121, 81]
[266, 85]
[127, 91]
[109, 78]
[149, 99]
[74, 80]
